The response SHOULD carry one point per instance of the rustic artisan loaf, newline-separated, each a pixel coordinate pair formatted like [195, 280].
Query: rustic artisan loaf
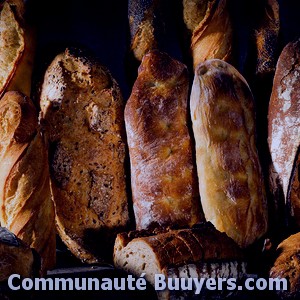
[17, 43]
[26, 206]
[163, 175]
[212, 37]
[16, 257]
[156, 254]
[230, 179]
[287, 265]
[284, 128]
[82, 116]
[266, 37]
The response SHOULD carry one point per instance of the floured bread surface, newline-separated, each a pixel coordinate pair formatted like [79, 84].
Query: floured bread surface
[284, 124]
[82, 114]
[163, 176]
[230, 178]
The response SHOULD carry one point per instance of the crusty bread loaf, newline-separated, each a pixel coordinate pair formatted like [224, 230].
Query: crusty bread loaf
[82, 116]
[26, 206]
[212, 38]
[156, 253]
[284, 126]
[266, 37]
[230, 179]
[16, 257]
[17, 43]
[163, 175]
[287, 265]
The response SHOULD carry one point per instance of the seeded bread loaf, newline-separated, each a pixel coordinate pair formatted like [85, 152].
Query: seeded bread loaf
[155, 254]
[163, 175]
[82, 116]
[16, 257]
[26, 206]
[230, 178]
[284, 128]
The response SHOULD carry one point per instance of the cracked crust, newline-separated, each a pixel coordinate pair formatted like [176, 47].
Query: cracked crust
[82, 116]
[230, 178]
[163, 175]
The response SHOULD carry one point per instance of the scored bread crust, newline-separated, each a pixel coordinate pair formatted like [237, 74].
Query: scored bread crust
[212, 38]
[26, 206]
[230, 178]
[156, 253]
[284, 123]
[163, 175]
[82, 116]
[287, 265]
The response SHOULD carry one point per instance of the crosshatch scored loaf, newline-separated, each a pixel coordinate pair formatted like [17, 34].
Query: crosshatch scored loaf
[82, 116]
[163, 176]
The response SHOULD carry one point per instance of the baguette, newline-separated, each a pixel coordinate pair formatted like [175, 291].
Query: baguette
[82, 117]
[212, 38]
[17, 43]
[230, 178]
[283, 129]
[163, 176]
[26, 206]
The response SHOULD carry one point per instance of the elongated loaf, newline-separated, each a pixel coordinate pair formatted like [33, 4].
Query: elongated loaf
[82, 116]
[212, 37]
[26, 206]
[230, 179]
[16, 257]
[287, 266]
[155, 254]
[284, 128]
[17, 43]
[163, 176]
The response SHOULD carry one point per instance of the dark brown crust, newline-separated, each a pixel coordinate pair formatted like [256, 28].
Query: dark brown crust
[267, 38]
[284, 123]
[82, 115]
[287, 265]
[230, 178]
[163, 175]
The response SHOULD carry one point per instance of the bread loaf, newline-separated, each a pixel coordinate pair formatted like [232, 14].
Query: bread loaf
[16, 257]
[287, 265]
[17, 43]
[212, 38]
[266, 37]
[82, 115]
[230, 179]
[283, 127]
[163, 176]
[156, 254]
[26, 206]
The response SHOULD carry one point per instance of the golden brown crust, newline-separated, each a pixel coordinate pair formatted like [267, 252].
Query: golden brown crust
[266, 37]
[163, 178]
[82, 115]
[284, 121]
[212, 38]
[230, 179]
[287, 265]
[17, 41]
[26, 206]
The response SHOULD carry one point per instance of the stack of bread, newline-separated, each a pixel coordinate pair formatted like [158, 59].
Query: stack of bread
[198, 196]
